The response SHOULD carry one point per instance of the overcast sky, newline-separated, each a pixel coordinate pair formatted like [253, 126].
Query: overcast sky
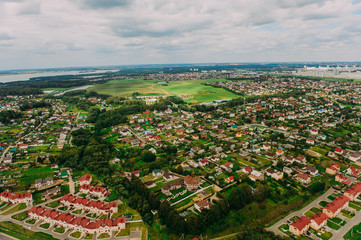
[65, 33]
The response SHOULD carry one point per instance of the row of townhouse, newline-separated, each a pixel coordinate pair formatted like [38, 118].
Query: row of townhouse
[331, 210]
[81, 224]
[94, 190]
[98, 207]
[9, 197]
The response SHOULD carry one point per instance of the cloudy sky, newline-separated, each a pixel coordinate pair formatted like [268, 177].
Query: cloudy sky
[65, 33]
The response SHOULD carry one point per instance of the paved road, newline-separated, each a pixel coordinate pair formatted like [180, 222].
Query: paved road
[71, 184]
[323, 197]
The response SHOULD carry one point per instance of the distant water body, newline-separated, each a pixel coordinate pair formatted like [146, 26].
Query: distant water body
[26, 76]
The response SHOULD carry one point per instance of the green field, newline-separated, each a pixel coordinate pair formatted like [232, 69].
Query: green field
[19, 232]
[192, 90]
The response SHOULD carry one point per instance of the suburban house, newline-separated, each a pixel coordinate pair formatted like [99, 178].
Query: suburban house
[256, 175]
[300, 226]
[303, 178]
[335, 207]
[310, 170]
[333, 169]
[192, 183]
[93, 190]
[157, 173]
[275, 174]
[227, 166]
[9, 197]
[150, 184]
[338, 150]
[81, 224]
[342, 179]
[247, 170]
[353, 192]
[50, 193]
[41, 183]
[169, 176]
[318, 220]
[204, 204]
[355, 156]
[355, 172]
[229, 179]
[172, 186]
[86, 179]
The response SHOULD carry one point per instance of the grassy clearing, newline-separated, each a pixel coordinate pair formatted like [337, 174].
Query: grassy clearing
[21, 233]
[192, 88]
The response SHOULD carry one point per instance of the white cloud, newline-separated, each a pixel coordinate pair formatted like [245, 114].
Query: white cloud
[50, 33]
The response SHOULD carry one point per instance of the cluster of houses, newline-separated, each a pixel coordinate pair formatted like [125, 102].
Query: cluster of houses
[301, 225]
[190, 183]
[73, 222]
[93, 206]
[9, 197]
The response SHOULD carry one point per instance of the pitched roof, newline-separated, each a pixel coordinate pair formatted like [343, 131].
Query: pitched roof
[337, 203]
[301, 223]
[319, 218]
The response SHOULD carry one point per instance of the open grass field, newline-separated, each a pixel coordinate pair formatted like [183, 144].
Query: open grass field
[192, 90]
[19, 232]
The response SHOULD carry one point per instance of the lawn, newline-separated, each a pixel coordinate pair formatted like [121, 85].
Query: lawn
[20, 216]
[21, 233]
[89, 236]
[355, 205]
[354, 233]
[64, 208]
[18, 207]
[315, 210]
[45, 225]
[347, 214]
[309, 214]
[53, 204]
[323, 203]
[333, 225]
[76, 235]
[30, 221]
[192, 89]
[60, 230]
[104, 235]
[77, 211]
